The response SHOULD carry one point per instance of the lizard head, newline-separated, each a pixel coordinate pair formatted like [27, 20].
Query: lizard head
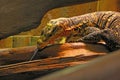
[50, 32]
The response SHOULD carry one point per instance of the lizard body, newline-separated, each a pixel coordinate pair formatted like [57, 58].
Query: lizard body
[91, 27]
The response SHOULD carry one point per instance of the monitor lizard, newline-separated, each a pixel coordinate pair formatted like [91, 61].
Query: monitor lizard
[88, 28]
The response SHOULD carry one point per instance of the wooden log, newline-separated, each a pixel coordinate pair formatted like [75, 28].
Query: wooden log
[103, 68]
[21, 15]
[14, 55]
[45, 64]
[62, 56]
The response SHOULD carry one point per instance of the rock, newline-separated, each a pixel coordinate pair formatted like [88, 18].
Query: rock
[21, 15]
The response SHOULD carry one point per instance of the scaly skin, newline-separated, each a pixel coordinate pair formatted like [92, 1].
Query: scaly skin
[91, 27]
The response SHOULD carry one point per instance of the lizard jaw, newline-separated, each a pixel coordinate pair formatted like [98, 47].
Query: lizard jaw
[52, 39]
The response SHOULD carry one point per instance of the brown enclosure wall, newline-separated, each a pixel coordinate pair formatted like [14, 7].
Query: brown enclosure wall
[30, 37]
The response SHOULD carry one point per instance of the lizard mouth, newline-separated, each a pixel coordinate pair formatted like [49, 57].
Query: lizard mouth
[57, 33]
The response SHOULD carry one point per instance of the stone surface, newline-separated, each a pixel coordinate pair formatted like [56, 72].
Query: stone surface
[21, 15]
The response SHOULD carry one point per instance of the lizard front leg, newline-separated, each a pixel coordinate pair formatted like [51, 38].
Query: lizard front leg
[112, 38]
[92, 35]
[109, 36]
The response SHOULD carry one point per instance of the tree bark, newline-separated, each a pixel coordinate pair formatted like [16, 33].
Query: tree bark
[45, 64]
[14, 55]
[104, 68]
